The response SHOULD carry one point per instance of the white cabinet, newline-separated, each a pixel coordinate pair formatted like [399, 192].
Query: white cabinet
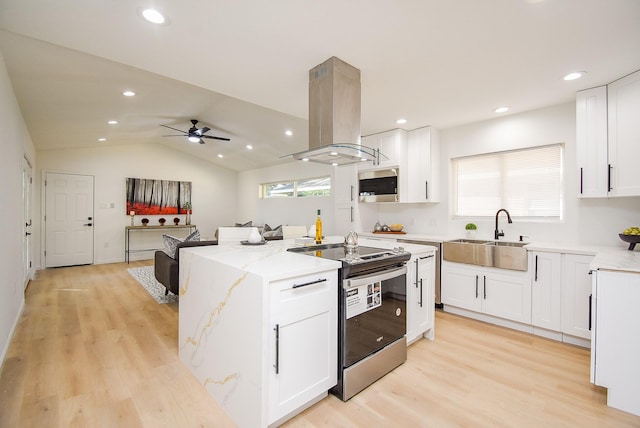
[302, 353]
[576, 295]
[591, 143]
[388, 145]
[608, 139]
[416, 155]
[420, 169]
[497, 292]
[345, 191]
[615, 345]
[546, 290]
[420, 294]
[624, 135]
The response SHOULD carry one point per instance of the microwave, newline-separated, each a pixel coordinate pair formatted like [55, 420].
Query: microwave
[378, 186]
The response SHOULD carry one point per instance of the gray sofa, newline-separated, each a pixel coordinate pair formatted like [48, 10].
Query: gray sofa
[166, 269]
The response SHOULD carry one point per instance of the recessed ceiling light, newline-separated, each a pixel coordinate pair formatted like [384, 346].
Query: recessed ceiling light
[113, 122]
[102, 139]
[501, 109]
[128, 93]
[334, 164]
[401, 121]
[574, 75]
[288, 132]
[333, 153]
[364, 159]
[305, 159]
[153, 16]
[220, 155]
[249, 147]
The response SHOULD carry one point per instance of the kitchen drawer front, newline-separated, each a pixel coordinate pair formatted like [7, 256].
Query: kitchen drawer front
[304, 292]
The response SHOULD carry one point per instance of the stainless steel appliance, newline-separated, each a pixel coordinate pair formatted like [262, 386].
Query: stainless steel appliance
[378, 186]
[371, 313]
[438, 246]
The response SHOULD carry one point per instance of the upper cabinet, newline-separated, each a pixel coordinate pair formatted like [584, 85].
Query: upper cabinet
[608, 139]
[388, 146]
[415, 155]
[624, 135]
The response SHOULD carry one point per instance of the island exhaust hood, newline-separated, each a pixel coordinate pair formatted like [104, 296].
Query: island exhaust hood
[334, 115]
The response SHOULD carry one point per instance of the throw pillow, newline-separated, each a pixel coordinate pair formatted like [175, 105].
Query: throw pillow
[247, 224]
[171, 242]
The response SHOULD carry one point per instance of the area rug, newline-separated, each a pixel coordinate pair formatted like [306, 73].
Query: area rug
[144, 275]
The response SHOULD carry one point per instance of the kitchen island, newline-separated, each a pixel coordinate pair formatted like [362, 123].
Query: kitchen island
[258, 326]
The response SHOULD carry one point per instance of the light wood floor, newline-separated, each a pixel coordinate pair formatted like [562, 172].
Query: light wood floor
[93, 349]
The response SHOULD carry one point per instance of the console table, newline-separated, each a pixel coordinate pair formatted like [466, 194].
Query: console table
[129, 229]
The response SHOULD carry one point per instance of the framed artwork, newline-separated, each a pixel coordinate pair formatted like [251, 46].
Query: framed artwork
[158, 197]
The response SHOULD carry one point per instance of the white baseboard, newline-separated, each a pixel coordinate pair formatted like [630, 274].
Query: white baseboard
[5, 348]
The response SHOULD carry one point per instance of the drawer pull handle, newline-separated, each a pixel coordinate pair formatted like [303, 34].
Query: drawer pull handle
[317, 281]
[277, 364]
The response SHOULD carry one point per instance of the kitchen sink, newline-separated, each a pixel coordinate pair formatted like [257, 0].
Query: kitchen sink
[498, 254]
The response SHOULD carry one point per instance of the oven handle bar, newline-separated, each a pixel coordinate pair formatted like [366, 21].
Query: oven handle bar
[317, 281]
[378, 276]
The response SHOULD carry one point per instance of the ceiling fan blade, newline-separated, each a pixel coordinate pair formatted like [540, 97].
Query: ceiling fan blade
[201, 141]
[175, 135]
[175, 129]
[216, 138]
[202, 130]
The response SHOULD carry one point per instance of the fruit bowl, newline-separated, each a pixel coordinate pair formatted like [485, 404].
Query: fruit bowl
[631, 239]
[396, 227]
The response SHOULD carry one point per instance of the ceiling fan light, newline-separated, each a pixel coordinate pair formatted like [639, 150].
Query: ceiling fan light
[194, 139]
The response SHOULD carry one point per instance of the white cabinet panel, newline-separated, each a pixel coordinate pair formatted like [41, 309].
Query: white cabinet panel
[546, 290]
[420, 294]
[624, 135]
[576, 295]
[591, 142]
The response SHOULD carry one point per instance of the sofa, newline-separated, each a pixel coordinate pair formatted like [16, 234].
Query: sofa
[166, 268]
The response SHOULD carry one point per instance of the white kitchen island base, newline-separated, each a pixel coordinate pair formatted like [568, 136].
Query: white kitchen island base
[258, 329]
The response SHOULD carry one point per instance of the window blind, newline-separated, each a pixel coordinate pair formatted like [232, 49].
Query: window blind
[528, 183]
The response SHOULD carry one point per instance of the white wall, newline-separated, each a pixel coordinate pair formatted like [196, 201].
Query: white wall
[589, 222]
[287, 211]
[214, 189]
[15, 144]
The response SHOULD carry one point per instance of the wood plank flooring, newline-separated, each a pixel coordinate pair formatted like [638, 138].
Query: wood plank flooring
[93, 349]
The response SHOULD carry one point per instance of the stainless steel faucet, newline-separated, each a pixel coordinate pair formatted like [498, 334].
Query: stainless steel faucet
[498, 233]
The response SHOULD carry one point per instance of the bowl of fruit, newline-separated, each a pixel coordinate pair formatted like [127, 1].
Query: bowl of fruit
[396, 227]
[631, 235]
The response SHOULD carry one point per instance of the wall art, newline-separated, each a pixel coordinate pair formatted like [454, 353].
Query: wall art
[157, 197]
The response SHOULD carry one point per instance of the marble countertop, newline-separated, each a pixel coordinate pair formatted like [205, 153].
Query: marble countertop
[616, 259]
[273, 261]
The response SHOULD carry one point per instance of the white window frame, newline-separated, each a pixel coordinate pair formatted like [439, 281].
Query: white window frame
[516, 203]
[295, 192]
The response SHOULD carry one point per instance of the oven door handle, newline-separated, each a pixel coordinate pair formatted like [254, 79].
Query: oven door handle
[378, 276]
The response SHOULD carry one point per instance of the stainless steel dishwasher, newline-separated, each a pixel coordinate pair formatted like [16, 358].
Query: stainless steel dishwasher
[438, 246]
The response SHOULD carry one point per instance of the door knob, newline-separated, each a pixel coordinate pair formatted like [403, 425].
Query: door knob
[27, 234]
[89, 218]
[88, 224]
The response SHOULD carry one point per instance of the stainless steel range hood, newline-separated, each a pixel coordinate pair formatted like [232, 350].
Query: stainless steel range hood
[334, 115]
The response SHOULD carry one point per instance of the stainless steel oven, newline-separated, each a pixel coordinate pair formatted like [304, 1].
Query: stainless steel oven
[373, 325]
[372, 321]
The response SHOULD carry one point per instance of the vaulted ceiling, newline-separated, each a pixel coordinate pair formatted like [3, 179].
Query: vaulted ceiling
[241, 67]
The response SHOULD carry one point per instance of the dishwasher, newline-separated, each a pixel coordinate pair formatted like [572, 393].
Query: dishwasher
[438, 246]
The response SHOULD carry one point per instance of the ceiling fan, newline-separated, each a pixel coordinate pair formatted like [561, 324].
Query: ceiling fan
[195, 134]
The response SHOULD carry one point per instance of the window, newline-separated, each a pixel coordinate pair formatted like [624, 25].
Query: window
[528, 183]
[297, 188]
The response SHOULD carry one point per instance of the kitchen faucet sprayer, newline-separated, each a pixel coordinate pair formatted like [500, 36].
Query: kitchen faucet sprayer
[498, 233]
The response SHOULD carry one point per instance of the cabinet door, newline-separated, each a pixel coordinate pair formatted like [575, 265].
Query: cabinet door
[420, 295]
[461, 286]
[345, 184]
[546, 290]
[624, 135]
[303, 346]
[421, 169]
[506, 296]
[390, 145]
[576, 295]
[591, 143]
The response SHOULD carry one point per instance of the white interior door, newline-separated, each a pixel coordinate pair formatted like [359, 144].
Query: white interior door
[68, 219]
[27, 182]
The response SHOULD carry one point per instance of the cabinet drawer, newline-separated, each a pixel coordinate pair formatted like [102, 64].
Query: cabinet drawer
[315, 290]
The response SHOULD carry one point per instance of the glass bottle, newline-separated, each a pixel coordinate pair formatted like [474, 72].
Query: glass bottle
[318, 229]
